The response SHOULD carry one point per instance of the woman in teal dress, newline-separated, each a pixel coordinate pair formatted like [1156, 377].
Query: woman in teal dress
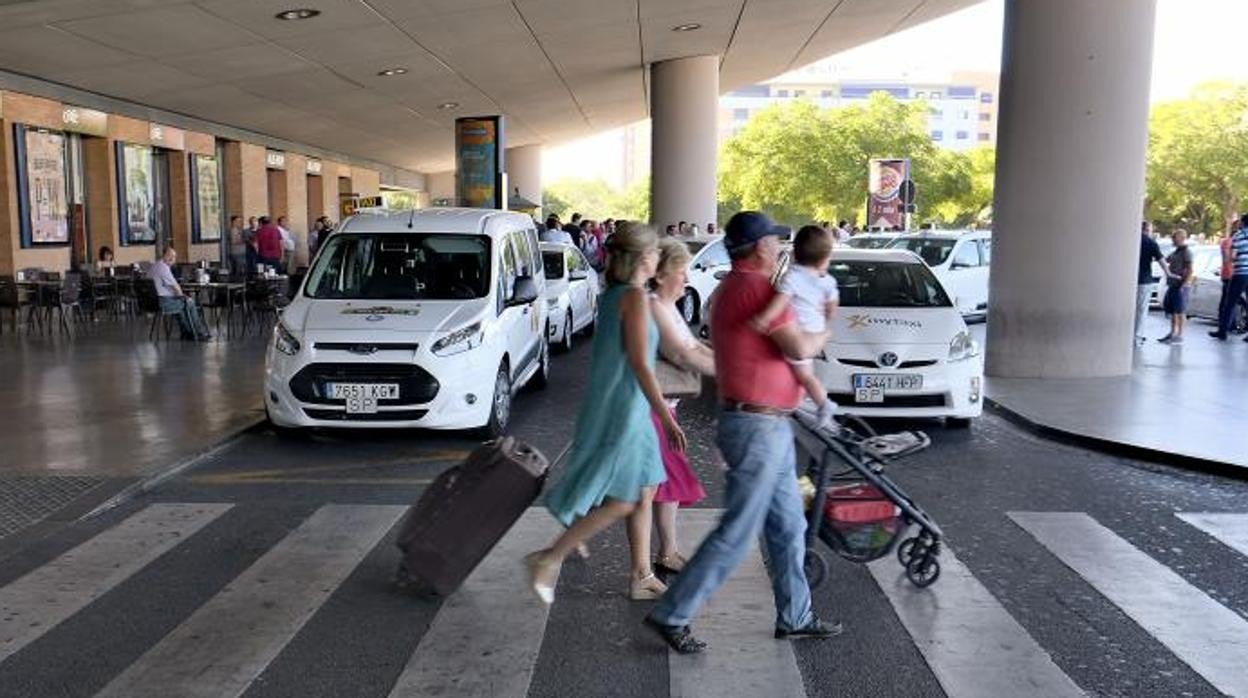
[615, 464]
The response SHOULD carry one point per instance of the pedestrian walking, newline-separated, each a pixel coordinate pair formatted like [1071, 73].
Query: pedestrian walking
[288, 245]
[268, 243]
[678, 346]
[1150, 252]
[238, 246]
[249, 235]
[615, 464]
[1228, 263]
[1179, 276]
[757, 391]
[1238, 284]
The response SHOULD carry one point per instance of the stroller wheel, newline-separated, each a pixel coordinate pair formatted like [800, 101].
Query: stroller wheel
[816, 569]
[923, 570]
[908, 549]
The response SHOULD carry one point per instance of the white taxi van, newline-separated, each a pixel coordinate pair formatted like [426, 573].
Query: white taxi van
[899, 346]
[427, 319]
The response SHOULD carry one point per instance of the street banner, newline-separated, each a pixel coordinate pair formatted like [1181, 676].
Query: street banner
[885, 208]
[479, 162]
[48, 204]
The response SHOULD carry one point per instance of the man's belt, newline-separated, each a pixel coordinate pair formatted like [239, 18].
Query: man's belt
[734, 406]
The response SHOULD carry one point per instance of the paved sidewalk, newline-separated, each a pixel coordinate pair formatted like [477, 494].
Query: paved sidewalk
[109, 403]
[1190, 399]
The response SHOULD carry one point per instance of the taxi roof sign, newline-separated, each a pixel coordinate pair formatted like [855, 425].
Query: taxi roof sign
[352, 203]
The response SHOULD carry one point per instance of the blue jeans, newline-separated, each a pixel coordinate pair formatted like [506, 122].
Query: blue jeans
[189, 317]
[761, 496]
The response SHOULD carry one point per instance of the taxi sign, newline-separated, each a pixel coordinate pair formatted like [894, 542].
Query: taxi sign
[351, 203]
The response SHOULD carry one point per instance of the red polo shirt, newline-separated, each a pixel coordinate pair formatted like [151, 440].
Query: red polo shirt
[269, 242]
[749, 367]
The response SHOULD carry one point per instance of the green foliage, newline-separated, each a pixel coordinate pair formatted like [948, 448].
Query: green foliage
[400, 200]
[596, 199]
[800, 163]
[1198, 158]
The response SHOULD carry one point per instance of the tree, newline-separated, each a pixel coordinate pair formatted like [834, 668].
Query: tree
[597, 200]
[800, 163]
[1198, 158]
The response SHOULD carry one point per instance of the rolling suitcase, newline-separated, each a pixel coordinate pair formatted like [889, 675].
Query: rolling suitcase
[464, 513]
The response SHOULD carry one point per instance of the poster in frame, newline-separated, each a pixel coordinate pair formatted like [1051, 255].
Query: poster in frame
[136, 193]
[43, 186]
[206, 212]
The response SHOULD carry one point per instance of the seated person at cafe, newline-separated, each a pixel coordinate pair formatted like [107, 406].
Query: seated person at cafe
[104, 260]
[174, 302]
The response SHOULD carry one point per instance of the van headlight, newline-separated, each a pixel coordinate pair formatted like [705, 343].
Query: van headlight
[963, 347]
[284, 340]
[459, 341]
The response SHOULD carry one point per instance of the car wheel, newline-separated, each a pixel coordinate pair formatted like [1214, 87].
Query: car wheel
[500, 405]
[541, 379]
[566, 345]
[957, 423]
[689, 306]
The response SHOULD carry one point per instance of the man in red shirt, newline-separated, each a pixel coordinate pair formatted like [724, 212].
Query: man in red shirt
[269, 243]
[757, 390]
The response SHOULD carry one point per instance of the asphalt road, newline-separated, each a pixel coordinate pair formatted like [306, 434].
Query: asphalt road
[359, 635]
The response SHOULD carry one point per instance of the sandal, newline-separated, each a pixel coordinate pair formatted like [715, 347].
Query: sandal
[647, 588]
[542, 576]
[679, 637]
[670, 564]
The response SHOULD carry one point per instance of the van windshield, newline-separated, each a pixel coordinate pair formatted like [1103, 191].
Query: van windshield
[402, 266]
[872, 284]
[934, 251]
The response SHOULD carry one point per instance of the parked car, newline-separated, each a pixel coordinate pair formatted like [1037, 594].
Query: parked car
[571, 293]
[429, 319]
[899, 347]
[871, 241]
[1206, 294]
[960, 259]
[710, 257]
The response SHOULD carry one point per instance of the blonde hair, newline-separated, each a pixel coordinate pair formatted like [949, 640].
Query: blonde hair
[626, 248]
[672, 253]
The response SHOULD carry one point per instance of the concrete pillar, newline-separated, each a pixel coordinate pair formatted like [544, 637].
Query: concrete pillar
[1069, 187]
[684, 107]
[524, 171]
[442, 185]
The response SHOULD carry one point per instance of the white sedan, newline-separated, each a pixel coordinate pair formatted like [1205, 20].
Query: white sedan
[710, 261]
[571, 293]
[899, 347]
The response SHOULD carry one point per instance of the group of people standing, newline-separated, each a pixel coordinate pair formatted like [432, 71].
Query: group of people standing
[271, 243]
[587, 235]
[628, 457]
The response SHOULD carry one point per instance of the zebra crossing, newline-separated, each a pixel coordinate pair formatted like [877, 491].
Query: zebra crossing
[486, 639]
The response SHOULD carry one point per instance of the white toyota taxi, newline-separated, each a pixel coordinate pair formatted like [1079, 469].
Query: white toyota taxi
[571, 293]
[899, 347]
[428, 319]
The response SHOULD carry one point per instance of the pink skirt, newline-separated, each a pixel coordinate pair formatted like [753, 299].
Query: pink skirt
[682, 484]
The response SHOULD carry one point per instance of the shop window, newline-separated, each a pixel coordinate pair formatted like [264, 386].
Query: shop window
[740, 114]
[985, 97]
[137, 210]
[43, 186]
[782, 93]
[985, 137]
[207, 208]
[938, 135]
[963, 135]
[827, 94]
[985, 116]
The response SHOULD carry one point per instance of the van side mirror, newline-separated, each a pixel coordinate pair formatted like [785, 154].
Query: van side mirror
[578, 275]
[525, 291]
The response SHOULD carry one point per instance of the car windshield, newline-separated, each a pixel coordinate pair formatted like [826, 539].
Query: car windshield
[869, 243]
[695, 245]
[553, 262]
[934, 251]
[881, 284]
[402, 266]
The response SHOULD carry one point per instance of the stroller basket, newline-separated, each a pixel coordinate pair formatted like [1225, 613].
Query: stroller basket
[862, 516]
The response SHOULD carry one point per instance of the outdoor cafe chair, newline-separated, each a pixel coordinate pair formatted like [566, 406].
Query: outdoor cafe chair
[149, 304]
[10, 301]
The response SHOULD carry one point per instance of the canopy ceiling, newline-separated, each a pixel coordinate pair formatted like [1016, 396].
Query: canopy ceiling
[558, 69]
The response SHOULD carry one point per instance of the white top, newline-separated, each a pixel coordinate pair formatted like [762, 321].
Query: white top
[556, 235]
[288, 240]
[673, 319]
[810, 292]
[162, 276]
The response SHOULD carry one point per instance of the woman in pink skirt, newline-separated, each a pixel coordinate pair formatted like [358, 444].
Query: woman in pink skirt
[677, 345]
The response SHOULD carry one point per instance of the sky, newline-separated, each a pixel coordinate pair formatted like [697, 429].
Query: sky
[1186, 53]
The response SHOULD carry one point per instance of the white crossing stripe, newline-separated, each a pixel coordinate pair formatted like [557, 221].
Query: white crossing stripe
[1207, 636]
[486, 637]
[39, 601]
[742, 658]
[1231, 529]
[972, 644]
[222, 647]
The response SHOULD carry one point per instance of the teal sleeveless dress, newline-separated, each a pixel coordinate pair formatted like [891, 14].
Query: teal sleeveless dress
[615, 451]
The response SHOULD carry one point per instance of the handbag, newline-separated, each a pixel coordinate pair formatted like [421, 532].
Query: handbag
[675, 381]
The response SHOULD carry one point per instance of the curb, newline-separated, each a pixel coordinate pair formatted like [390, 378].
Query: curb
[149, 482]
[1118, 448]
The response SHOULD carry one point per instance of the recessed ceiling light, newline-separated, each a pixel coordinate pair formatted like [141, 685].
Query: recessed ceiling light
[301, 13]
[391, 71]
[689, 27]
[448, 105]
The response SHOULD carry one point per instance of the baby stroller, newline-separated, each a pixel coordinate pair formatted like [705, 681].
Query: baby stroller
[859, 511]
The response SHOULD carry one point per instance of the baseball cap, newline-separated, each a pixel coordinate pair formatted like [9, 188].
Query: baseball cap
[748, 227]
